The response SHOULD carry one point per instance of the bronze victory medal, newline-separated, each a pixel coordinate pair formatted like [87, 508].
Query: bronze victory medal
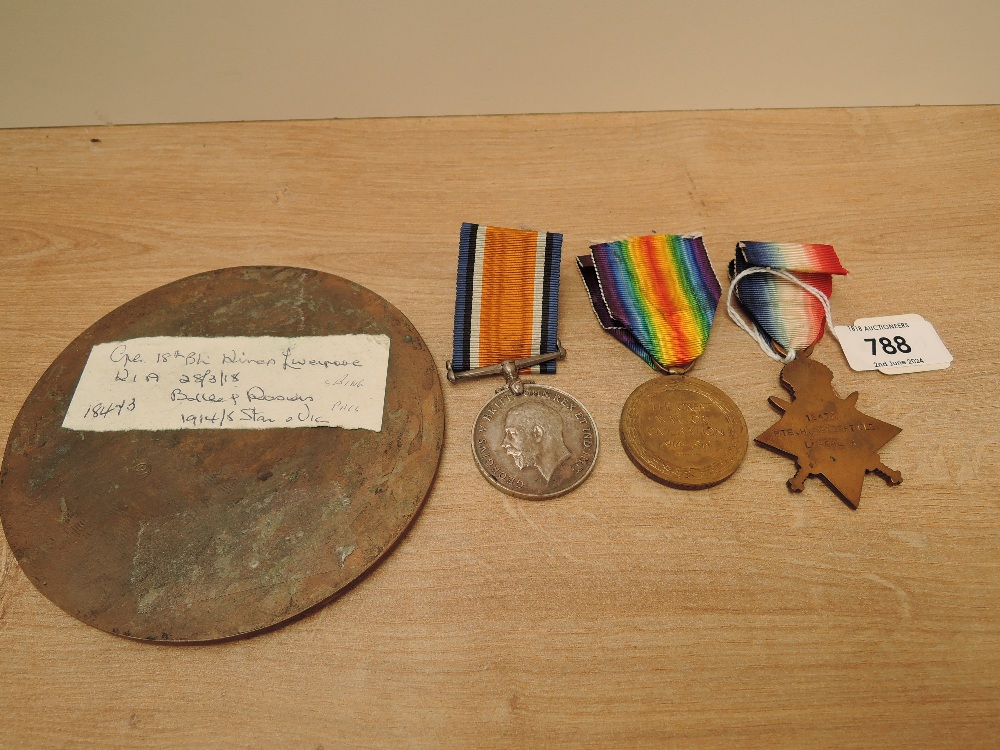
[683, 431]
[201, 534]
[537, 445]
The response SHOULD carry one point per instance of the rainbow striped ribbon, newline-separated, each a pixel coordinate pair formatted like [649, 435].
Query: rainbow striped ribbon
[656, 294]
[507, 299]
[783, 312]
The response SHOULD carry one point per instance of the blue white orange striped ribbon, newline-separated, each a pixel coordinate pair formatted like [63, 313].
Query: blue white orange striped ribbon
[507, 296]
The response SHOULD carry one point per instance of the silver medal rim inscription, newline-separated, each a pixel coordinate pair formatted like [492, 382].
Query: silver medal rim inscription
[507, 483]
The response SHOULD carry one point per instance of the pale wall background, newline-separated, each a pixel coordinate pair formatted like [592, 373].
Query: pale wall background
[112, 61]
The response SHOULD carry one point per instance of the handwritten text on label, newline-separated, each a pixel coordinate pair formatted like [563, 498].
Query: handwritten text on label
[233, 382]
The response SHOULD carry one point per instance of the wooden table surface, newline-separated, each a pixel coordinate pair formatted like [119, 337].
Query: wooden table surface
[626, 614]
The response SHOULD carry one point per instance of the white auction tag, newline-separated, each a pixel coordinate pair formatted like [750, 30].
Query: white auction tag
[893, 344]
[232, 382]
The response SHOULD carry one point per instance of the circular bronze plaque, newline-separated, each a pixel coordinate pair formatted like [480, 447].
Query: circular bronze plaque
[538, 445]
[683, 432]
[201, 534]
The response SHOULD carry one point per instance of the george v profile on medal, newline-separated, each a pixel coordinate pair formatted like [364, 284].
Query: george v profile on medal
[535, 442]
[533, 437]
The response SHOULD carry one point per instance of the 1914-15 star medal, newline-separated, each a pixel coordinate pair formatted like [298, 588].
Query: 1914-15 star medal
[827, 435]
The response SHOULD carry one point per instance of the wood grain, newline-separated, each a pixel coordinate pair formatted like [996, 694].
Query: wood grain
[626, 614]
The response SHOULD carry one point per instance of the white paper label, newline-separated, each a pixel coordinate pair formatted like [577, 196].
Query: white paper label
[893, 344]
[233, 382]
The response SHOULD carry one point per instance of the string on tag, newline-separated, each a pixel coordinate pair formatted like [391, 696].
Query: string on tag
[762, 342]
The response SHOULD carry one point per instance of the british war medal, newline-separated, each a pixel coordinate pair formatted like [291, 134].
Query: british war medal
[529, 440]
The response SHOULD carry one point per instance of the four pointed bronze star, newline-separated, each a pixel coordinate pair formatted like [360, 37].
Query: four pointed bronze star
[827, 435]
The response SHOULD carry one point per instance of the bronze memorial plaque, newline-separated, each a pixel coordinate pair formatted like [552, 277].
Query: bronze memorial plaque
[216, 530]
